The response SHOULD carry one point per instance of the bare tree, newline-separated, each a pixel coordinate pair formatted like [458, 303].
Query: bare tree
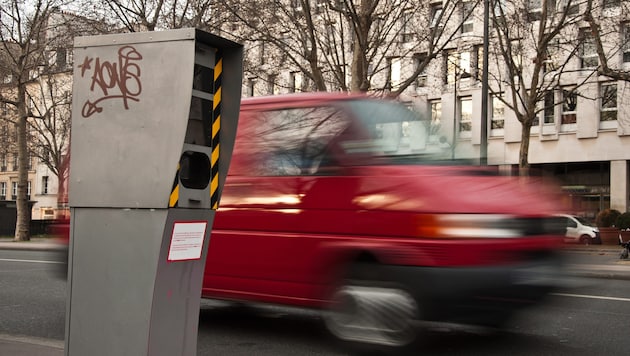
[21, 34]
[535, 45]
[606, 29]
[35, 51]
[152, 15]
[341, 44]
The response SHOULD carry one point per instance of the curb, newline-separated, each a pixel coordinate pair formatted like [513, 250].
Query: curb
[31, 246]
[620, 270]
[41, 244]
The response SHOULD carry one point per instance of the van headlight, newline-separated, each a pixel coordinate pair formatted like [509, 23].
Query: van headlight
[494, 226]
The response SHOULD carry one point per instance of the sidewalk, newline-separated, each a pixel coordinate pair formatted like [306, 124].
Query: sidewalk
[36, 243]
[614, 268]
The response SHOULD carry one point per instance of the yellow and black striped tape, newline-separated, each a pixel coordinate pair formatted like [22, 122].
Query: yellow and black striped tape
[174, 198]
[216, 130]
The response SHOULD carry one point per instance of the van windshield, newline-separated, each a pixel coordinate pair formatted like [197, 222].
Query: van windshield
[391, 132]
[315, 139]
[583, 221]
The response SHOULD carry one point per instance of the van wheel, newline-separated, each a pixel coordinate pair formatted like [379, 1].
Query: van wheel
[585, 240]
[372, 315]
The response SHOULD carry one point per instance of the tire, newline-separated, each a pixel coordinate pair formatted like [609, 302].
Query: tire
[585, 240]
[371, 314]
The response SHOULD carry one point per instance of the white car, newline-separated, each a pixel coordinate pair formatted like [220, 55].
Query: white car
[580, 231]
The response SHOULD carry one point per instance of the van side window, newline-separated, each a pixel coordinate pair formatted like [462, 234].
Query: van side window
[571, 223]
[293, 142]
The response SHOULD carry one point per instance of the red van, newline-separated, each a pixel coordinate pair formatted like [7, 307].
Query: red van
[348, 204]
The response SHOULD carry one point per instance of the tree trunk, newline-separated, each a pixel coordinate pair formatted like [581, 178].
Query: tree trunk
[22, 225]
[523, 158]
[318, 77]
[362, 24]
[356, 81]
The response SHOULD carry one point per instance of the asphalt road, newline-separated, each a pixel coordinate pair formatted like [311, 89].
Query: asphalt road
[590, 316]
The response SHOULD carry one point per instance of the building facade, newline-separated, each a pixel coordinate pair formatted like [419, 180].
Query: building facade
[580, 135]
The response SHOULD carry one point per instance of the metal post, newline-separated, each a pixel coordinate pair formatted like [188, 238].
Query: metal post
[455, 74]
[483, 150]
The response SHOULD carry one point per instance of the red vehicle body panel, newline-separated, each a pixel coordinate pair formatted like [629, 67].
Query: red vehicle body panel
[288, 239]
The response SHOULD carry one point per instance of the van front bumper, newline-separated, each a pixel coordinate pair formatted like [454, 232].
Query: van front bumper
[479, 295]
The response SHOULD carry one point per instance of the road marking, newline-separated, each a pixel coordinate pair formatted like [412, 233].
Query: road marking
[30, 261]
[591, 297]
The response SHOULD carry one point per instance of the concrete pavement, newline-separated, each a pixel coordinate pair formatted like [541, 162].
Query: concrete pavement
[31, 346]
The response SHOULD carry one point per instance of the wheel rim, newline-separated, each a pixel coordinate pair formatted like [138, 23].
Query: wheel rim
[375, 315]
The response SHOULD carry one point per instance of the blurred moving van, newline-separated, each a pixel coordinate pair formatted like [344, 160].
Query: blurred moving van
[351, 205]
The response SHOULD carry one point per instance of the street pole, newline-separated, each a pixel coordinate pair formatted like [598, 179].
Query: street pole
[454, 113]
[483, 151]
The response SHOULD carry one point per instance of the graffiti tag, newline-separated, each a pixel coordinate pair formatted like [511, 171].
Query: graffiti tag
[115, 80]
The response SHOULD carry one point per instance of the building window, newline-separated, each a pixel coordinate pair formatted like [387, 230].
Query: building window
[320, 5]
[251, 85]
[14, 190]
[467, 16]
[296, 5]
[3, 190]
[588, 52]
[608, 99]
[45, 185]
[464, 65]
[295, 82]
[499, 9]
[517, 58]
[61, 58]
[549, 107]
[449, 65]
[457, 66]
[551, 53]
[436, 15]
[272, 88]
[421, 79]
[436, 118]
[465, 117]
[3, 162]
[476, 65]
[497, 123]
[569, 107]
[534, 10]
[573, 7]
[406, 30]
[535, 7]
[625, 42]
[15, 162]
[261, 53]
[394, 67]
[608, 4]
